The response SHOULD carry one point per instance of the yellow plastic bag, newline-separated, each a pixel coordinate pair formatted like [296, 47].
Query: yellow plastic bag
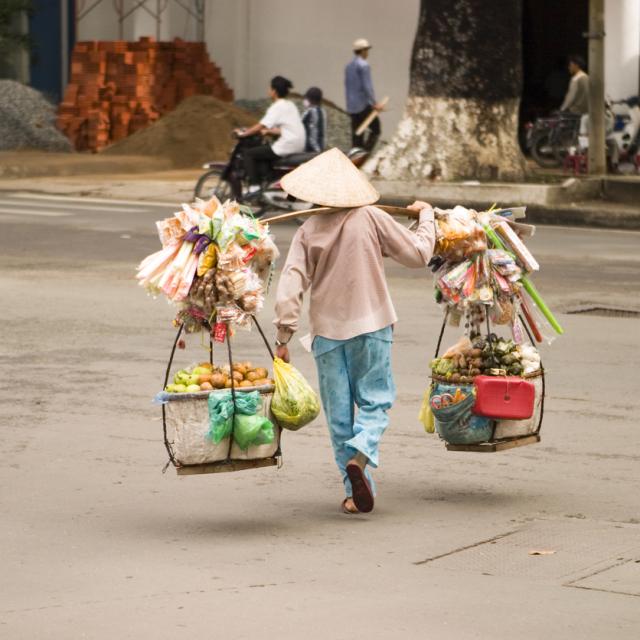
[426, 415]
[294, 402]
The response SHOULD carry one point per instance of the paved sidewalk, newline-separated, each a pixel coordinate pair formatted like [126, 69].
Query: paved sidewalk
[172, 186]
[613, 203]
[32, 164]
[570, 201]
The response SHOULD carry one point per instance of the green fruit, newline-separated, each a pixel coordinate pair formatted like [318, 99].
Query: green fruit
[193, 388]
[179, 388]
[198, 371]
[181, 377]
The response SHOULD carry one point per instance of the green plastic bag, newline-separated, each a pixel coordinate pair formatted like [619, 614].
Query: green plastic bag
[221, 411]
[294, 403]
[252, 430]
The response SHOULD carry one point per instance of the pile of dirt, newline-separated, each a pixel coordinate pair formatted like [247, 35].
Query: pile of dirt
[197, 131]
[27, 120]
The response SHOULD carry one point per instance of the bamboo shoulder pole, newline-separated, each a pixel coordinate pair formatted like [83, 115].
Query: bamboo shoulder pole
[394, 211]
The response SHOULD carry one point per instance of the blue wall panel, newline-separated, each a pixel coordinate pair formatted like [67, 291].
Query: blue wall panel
[46, 59]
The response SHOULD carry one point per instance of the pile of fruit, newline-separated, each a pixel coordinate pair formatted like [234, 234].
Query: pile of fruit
[207, 377]
[485, 356]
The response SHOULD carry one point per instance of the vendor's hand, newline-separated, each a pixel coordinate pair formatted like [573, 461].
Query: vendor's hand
[379, 106]
[282, 352]
[418, 206]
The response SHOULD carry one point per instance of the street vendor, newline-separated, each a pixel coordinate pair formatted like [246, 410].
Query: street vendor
[339, 255]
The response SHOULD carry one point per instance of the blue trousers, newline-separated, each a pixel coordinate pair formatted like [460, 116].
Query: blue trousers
[357, 390]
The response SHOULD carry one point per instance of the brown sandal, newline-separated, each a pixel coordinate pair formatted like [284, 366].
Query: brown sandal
[348, 511]
[362, 494]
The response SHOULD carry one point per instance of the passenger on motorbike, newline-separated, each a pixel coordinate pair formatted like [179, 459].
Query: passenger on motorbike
[282, 119]
[314, 120]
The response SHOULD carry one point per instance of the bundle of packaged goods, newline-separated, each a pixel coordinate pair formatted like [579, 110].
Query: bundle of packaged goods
[214, 264]
[486, 387]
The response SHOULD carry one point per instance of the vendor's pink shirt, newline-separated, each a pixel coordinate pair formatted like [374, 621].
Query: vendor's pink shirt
[340, 257]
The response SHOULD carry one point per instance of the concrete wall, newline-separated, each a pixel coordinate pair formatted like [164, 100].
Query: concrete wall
[310, 42]
[101, 23]
[622, 48]
[305, 40]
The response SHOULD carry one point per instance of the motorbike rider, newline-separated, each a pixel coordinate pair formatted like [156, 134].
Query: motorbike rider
[577, 97]
[281, 119]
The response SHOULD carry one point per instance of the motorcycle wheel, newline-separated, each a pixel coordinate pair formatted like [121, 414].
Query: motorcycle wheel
[211, 184]
[543, 152]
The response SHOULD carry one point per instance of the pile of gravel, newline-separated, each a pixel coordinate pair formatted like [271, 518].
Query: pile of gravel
[338, 121]
[27, 120]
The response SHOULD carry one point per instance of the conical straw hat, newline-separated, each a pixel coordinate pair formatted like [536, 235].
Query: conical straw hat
[331, 180]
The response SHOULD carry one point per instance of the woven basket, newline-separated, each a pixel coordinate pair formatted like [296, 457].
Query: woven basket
[187, 420]
[498, 429]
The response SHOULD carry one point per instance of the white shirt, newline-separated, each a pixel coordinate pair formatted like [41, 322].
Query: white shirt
[284, 115]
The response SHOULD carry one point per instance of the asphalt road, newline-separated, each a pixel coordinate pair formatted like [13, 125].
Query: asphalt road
[98, 543]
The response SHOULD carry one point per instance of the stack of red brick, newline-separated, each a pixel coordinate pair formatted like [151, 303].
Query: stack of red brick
[118, 87]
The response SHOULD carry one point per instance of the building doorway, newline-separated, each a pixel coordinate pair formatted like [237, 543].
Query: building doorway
[551, 31]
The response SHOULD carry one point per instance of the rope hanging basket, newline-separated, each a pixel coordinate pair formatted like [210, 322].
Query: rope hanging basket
[186, 426]
[479, 434]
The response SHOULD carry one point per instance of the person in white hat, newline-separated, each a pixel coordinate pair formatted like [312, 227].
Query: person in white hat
[339, 256]
[360, 96]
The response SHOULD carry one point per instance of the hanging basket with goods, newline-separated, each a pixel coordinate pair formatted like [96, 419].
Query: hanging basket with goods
[229, 427]
[487, 392]
[215, 264]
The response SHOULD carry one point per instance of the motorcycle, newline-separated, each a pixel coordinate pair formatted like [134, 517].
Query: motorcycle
[549, 139]
[623, 133]
[229, 180]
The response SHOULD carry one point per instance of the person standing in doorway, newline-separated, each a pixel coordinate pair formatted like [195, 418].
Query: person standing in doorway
[577, 98]
[360, 96]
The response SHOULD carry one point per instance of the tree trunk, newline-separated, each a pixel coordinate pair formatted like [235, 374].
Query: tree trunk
[461, 116]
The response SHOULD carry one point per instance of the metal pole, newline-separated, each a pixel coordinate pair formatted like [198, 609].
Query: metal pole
[23, 58]
[64, 48]
[200, 16]
[597, 149]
